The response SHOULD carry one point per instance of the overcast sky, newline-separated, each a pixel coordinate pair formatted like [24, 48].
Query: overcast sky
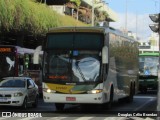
[137, 15]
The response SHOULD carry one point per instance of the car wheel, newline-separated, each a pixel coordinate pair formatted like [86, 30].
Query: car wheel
[35, 104]
[24, 106]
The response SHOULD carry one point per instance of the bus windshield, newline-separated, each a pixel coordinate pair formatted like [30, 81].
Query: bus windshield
[7, 64]
[74, 66]
[148, 65]
[71, 58]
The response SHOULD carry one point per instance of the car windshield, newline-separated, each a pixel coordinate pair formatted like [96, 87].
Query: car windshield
[12, 83]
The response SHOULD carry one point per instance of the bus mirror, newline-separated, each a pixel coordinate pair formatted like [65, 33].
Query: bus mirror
[105, 55]
[36, 55]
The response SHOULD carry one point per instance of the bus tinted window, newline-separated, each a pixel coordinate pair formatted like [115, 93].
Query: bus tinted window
[77, 40]
[82, 67]
[7, 64]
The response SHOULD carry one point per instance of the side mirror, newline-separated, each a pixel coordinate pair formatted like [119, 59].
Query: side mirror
[30, 86]
[105, 55]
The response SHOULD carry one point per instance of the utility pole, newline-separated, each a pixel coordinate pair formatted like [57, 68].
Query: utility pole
[158, 96]
[156, 28]
[136, 25]
[126, 16]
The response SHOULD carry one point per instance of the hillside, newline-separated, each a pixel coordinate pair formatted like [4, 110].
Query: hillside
[28, 16]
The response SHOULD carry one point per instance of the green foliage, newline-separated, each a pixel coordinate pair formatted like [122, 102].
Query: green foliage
[27, 15]
[77, 2]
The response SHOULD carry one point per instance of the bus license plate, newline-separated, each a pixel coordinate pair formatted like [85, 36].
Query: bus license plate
[70, 99]
[3, 100]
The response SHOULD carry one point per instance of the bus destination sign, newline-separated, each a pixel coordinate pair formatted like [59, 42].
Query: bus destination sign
[4, 49]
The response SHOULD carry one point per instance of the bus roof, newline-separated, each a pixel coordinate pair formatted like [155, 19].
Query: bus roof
[119, 33]
[77, 29]
[89, 29]
[149, 54]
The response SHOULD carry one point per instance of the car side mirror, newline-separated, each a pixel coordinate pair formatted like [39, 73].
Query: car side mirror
[30, 86]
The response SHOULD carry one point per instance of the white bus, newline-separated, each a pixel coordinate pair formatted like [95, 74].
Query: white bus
[88, 65]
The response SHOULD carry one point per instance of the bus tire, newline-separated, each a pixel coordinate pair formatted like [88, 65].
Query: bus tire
[109, 104]
[145, 90]
[35, 104]
[59, 106]
[130, 97]
[134, 89]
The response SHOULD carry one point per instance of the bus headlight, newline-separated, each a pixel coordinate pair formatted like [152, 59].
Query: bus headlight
[48, 90]
[94, 91]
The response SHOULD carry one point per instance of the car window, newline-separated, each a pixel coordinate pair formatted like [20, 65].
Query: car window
[12, 83]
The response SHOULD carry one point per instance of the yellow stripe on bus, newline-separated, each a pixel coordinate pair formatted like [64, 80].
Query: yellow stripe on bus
[63, 88]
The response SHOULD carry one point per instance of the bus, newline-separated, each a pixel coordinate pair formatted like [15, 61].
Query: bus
[88, 65]
[17, 61]
[148, 70]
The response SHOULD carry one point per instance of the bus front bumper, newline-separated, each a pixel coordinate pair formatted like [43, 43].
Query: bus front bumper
[73, 98]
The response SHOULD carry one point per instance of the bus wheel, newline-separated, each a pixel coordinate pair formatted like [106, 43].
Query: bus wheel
[130, 97]
[35, 104]
[145, 89]
[59, 106]
[109, 104]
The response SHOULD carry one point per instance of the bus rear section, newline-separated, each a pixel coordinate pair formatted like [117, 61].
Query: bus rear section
[148, 69]
[8, 61]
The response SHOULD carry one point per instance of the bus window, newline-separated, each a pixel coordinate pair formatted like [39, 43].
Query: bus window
[26, 61]
[21, 64]
[7, 64]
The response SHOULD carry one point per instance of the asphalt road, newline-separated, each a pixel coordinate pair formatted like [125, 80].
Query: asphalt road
[142, 103]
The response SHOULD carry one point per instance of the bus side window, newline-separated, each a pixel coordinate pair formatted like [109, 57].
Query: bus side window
[37, 66]
[21, 64]
[26, 61]
[30, 63]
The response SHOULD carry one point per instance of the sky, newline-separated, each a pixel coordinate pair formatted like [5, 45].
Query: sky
[137, 15]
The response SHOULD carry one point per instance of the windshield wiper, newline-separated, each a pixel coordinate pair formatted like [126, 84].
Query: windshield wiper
[79, 69]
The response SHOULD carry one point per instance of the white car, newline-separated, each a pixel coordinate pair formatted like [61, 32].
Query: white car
[18, 91]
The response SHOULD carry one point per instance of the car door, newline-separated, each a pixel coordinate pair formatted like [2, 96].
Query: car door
[30, 90]
[34, 90]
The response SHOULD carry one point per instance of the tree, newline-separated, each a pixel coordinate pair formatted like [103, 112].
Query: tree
[77, 2]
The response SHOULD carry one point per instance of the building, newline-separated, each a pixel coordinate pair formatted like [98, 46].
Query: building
[152, 45]
[84, 12]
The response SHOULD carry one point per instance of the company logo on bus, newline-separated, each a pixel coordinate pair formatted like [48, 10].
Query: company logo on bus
[5, 50]
[61, 88]
[57, 77]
